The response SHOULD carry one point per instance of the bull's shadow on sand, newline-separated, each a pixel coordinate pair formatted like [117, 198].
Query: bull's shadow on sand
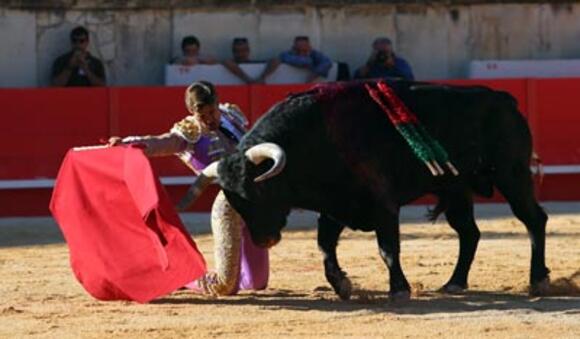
[427, 303]
[44, 230]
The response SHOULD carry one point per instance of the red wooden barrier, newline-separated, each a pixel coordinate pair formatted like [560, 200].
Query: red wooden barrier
[41, 124]
[263, 97]
[558, 120]
[516, 87]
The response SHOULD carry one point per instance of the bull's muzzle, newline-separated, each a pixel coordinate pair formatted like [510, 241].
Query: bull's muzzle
[269, 241]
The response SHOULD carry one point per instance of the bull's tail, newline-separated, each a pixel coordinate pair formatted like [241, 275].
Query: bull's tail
[435, 212]
[537, 167]
[482, 185]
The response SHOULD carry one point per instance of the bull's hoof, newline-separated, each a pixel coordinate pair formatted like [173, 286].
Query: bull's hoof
[540, 288]
[453, 289]
[400, 296]
[344, 289]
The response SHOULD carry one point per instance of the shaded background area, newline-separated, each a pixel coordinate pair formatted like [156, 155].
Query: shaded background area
[44, 230]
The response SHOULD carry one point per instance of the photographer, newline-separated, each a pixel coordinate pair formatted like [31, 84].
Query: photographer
[78, 67]
[383, 63]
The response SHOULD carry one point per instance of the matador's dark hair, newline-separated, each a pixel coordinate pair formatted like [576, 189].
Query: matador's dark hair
[199, 94]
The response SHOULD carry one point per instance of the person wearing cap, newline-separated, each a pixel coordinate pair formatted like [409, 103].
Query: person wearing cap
[384, 63]
[211, 131]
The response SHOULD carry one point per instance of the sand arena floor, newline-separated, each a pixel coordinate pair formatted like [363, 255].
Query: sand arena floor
[39, 296]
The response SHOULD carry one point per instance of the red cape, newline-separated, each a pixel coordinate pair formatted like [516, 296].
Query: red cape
[125, 239]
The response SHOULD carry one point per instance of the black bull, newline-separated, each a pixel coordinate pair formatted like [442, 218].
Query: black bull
[345, 159]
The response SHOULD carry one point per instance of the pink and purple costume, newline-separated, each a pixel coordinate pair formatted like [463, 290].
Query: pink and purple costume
[239, 263]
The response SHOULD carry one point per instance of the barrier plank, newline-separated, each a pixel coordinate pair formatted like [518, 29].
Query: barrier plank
[40, 125]
[263, 97]
[558, 120]
[518, 88]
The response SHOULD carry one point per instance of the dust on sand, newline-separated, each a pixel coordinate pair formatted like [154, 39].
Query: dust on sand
[40, 297]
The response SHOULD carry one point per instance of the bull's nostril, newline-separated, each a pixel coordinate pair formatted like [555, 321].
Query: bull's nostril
[271, 242]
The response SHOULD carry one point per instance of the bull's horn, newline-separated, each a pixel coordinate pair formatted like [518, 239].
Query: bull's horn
[211, 170]
[267, 150]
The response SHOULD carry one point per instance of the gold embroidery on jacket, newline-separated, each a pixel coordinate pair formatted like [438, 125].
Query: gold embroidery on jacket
[188, 128]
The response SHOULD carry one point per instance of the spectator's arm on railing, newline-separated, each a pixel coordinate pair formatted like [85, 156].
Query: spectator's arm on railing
[405, 69]
[295, 60]
[270, 68]
[233, 67]
[322, 64]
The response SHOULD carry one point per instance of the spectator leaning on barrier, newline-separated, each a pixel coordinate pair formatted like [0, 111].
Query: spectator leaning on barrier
[241, 55]
[190, 49]
[301, 55]
[78, 67]
[383, 63]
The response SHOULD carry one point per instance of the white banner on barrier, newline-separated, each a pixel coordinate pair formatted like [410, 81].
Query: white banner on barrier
[494, 69]
[178, 75]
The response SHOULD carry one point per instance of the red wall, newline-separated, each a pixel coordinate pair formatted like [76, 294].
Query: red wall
[41, 124]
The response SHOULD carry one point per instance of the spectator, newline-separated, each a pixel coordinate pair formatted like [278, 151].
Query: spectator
[301, 55]
[241, 55]
[78, 67]
[190, 49]
[383, 63]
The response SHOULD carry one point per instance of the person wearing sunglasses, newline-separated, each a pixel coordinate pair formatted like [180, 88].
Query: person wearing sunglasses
[78, 67]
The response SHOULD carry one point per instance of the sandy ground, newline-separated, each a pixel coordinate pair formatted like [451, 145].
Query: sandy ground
[39, 297]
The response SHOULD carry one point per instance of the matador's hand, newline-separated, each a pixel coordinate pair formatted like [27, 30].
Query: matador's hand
[115, 141]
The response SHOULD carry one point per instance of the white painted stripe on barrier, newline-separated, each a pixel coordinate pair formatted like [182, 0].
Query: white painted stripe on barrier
[49, 183]
[186, 180]
[562, 169]
[29, 183]
[172, 181]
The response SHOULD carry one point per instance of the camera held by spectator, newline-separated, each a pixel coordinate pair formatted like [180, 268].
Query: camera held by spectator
[383, 63]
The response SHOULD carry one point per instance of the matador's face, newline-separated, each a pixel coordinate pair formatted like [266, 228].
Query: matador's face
[208, 117]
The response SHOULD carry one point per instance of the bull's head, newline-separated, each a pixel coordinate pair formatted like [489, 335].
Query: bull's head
[247, 191]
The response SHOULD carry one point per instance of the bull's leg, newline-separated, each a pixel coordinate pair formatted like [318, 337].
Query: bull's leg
[389, 248]
[516, 185]
[328, 234]
[459, 214]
